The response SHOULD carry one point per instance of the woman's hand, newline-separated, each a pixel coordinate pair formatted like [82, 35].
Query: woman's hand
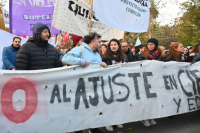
[103, 64]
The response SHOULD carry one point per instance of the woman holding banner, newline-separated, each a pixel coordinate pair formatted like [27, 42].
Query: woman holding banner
[151, 52]
[174, 53]
[114, 55]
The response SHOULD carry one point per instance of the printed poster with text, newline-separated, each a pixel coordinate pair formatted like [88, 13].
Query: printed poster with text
[25, 13]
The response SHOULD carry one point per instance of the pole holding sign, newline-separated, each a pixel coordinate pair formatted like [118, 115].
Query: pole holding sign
[50, 33]
[91, 14]
[149, 26]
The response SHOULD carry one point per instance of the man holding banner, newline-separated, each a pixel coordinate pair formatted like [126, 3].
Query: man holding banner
[37, 53]
[88, 52]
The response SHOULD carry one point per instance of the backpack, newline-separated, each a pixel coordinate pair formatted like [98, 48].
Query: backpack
[82, 51]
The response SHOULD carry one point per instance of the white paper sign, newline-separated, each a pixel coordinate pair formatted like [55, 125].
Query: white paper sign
[6, 17]
[127, 15]
[57, 100]
[72, 16]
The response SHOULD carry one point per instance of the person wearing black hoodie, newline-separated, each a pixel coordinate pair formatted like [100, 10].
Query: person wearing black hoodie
[37, 53]
[129, 55]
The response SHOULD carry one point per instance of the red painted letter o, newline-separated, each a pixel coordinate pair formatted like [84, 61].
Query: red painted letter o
[6, 100]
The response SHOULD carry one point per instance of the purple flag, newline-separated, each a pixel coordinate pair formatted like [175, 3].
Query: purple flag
[25, 13]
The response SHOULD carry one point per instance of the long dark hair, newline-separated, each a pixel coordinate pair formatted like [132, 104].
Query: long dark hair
[110, 55]
[137, 48]
[196, 48]
[188, 53]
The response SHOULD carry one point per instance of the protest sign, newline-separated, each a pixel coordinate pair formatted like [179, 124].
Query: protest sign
[24, 14]
[72, 16]
[6, 17]
[74, 98]
[127, 15]
[138, 42]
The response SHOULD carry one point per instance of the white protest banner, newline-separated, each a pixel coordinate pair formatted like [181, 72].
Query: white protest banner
[6, 17]
[127, 15]
[73, 98]
[72, 16]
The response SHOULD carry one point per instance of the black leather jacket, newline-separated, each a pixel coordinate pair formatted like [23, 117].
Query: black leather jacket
[196, 58]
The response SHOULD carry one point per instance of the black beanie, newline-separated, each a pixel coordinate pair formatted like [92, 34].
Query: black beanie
[153, 40]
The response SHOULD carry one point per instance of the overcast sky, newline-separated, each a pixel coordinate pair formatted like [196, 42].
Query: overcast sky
[170, 11]
[167, 14]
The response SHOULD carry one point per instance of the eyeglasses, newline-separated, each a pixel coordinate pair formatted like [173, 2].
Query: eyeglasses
[124, 46]
[151, 44]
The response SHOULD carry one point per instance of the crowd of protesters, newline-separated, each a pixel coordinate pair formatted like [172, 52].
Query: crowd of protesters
[37, 54]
